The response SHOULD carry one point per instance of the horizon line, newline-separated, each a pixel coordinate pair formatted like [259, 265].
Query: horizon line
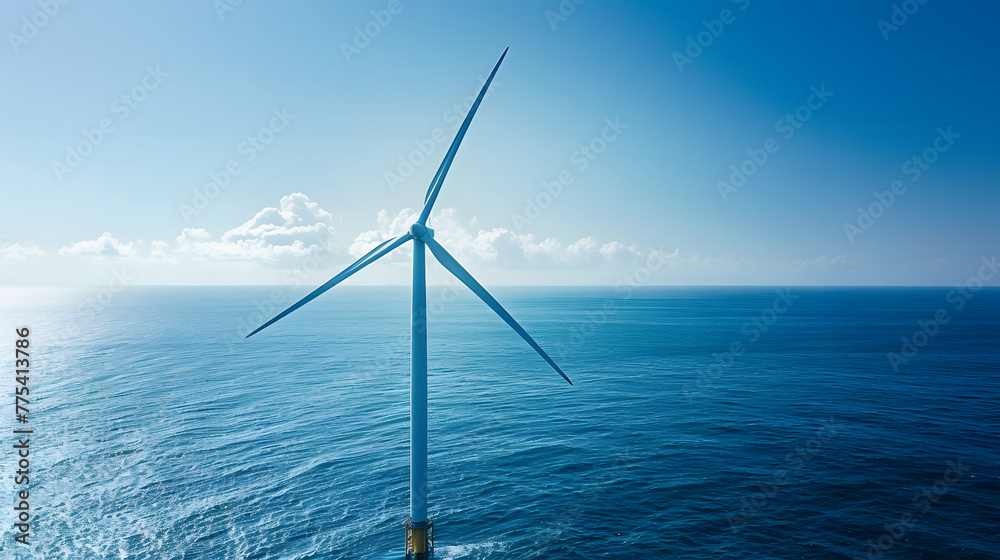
[635, 287]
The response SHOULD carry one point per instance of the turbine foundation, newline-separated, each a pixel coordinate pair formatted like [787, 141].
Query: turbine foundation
[419, 539]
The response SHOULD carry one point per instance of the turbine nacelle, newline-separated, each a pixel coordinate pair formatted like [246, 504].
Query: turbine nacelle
[419, 231]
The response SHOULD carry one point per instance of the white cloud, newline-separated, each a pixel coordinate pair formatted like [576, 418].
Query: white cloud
[499, 246]
[275, 236]
[283, 237]
[297, 220]
[387, 229]
[21, 252]
[193, 235]
[103, 246]
[280, 237]
[160, 251]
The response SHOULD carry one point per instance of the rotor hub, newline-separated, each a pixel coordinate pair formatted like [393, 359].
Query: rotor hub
[419, 231]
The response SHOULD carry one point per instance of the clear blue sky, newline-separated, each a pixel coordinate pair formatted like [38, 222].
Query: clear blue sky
[354, 105]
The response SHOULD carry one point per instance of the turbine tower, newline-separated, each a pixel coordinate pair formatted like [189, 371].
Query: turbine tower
[418, 527]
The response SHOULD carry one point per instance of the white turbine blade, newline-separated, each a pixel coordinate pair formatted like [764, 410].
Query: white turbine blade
[378, 252]
[455, 268]
[438, 180]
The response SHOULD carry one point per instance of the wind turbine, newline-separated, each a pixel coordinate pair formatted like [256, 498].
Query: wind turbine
[418, 526]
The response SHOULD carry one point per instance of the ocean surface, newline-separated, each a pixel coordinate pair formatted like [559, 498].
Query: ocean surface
[704, 423]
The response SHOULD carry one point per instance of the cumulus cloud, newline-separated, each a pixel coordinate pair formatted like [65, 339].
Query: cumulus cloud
[107, 246]
[103, 246]
[21, 252]
[388, 227]
[160, 251]
[275, 236]
[298, 228]
[499, 246]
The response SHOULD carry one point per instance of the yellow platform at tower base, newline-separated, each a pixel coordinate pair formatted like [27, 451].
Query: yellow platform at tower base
[419, 540]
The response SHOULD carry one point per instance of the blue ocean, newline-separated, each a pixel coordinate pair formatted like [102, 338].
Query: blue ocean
[703, 423]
